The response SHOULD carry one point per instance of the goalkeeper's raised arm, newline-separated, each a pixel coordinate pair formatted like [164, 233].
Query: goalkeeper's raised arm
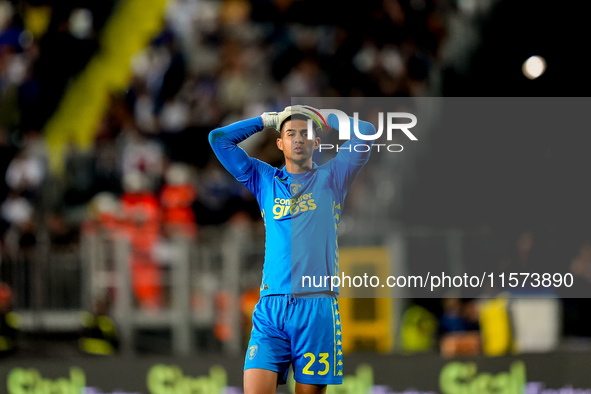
[225, 140]
[347, 151]
[350, 160]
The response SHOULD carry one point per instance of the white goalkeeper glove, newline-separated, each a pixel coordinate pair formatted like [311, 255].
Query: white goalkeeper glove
[274, 120]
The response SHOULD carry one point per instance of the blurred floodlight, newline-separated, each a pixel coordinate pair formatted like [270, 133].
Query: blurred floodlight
[534, 67]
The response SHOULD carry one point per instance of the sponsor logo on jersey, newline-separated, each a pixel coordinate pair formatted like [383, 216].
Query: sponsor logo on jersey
[293, 206]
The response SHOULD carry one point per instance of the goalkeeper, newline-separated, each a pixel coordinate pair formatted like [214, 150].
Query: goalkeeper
[301, 206]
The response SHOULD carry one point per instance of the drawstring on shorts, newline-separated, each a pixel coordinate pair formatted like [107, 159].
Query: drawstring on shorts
[290, 300]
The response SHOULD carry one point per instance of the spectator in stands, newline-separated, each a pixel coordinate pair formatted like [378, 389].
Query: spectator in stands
[25, 174]
[451, 320]
[16, 210]
[143, 155]
[459, 328]
[177, 198]
[581, 264]
[141, 222]
[520, 259]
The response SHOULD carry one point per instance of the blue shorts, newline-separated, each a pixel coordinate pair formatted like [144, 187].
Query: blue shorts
[303, 332]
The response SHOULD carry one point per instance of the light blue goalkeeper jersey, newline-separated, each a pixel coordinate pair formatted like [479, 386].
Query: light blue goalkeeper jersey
[301, 212]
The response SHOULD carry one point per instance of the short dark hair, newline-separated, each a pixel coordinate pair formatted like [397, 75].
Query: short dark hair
[300, 117]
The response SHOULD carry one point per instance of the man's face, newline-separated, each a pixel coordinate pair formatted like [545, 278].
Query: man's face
[294, 141]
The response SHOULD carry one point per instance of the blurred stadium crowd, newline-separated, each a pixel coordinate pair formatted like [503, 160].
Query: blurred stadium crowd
[214, 62]
[150, 173]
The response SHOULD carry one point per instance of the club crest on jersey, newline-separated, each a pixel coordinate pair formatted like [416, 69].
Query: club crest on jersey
[252, 352]
[294, 188]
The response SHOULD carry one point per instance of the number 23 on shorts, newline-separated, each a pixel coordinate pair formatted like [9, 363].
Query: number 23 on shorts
[322, 360]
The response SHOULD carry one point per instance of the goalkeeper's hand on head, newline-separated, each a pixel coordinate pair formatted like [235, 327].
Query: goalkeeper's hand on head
[274, 120]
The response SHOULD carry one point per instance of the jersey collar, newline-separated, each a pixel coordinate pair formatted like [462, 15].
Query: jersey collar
[285, 176]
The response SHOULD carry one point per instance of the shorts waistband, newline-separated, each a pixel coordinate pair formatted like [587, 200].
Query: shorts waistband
[322, 294]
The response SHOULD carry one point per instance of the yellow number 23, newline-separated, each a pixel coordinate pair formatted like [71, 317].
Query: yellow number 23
[323, 357]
